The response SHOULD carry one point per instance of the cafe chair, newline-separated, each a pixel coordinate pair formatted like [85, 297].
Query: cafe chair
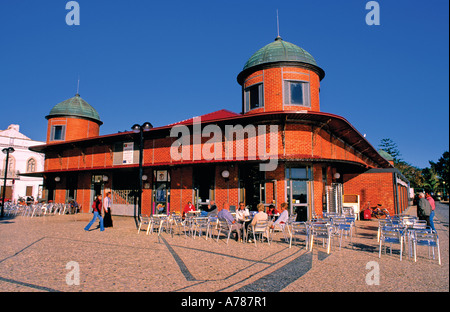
[299, 229]
[225, 228]
[143, 219]
[391, 235]
[321, 231]
[428, 238]
[200, 224]
[260, 229]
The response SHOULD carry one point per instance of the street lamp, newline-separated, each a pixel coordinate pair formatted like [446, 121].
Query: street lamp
[140, 129]
[6, 151]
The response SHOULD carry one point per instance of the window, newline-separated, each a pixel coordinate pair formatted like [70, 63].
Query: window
[29, 191]
[31, 165]
[254, 97]
[11, 165]
[296, 93]
[58, 133]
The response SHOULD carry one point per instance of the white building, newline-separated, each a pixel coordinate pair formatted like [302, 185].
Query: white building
[22, 160]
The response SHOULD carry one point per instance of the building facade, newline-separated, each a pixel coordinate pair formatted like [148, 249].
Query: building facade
[279, 148]
[21, 161]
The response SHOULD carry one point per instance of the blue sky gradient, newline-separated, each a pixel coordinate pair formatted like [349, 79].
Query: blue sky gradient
[163, 61]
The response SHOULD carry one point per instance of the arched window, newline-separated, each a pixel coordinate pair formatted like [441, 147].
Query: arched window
[31, 165]
[11, 164]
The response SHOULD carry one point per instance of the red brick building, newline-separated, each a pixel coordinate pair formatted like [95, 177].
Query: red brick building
[280, 148]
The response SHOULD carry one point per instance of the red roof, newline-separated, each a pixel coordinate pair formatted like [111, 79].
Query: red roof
[220, 114]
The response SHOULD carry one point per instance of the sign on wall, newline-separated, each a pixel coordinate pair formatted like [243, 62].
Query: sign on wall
[128, 153]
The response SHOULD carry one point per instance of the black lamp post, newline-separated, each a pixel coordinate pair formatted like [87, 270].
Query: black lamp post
[140, 129]
[6, 151]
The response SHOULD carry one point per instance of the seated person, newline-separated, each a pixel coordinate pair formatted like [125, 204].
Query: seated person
[225, 215]
[210, 210]
[189, 207]
[260, 216]
[242, 213]
[282, 219]
[73, 206]
[272, 211]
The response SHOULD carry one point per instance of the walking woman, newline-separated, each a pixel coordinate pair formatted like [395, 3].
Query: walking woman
[107, 222]
[97, 206]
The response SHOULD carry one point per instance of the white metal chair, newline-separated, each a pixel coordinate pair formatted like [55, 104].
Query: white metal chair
[299, 229]
[391, 235]
[223, 227]
[180, 224]
[143, 219]
[260, 228]
[212, 225]
[420, 224]
[155, 224]
[381, 224]
[343, 227]
[321, 231]
[200, 224]
[426, 238]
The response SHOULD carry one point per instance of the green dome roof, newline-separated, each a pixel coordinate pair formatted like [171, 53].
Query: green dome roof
[385, 155]
[280, 51]
[77, 107]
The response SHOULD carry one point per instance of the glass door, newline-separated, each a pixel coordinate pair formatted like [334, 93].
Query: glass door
[298, 191]
[298, 199]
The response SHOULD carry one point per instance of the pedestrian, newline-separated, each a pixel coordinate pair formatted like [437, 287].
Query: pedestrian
[433, 206]
[423, 209]
[107, 220]
[97, 208]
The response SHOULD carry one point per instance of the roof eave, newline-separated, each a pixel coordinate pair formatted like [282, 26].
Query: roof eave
[248, 71]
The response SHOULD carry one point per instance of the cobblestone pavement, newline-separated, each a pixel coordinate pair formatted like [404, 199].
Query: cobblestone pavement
[43, 254]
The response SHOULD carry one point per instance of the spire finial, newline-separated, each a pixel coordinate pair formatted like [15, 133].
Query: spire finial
[78, 85]
[278, 26]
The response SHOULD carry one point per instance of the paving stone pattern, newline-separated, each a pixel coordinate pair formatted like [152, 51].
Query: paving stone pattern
[34, 253]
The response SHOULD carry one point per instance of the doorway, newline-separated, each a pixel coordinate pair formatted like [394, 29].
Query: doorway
[204, 185]
[251, 185]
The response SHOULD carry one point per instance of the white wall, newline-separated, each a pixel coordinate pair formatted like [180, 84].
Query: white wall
[11, 137]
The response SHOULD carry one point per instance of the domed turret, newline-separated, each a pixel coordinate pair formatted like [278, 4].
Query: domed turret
[280, 76]
[72, 119]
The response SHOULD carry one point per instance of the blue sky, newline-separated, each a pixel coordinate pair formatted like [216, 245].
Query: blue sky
[161, 61]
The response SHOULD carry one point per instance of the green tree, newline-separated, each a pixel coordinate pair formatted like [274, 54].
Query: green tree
[441, 168]
[413, 174]
[431, 180]
[390, 147]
